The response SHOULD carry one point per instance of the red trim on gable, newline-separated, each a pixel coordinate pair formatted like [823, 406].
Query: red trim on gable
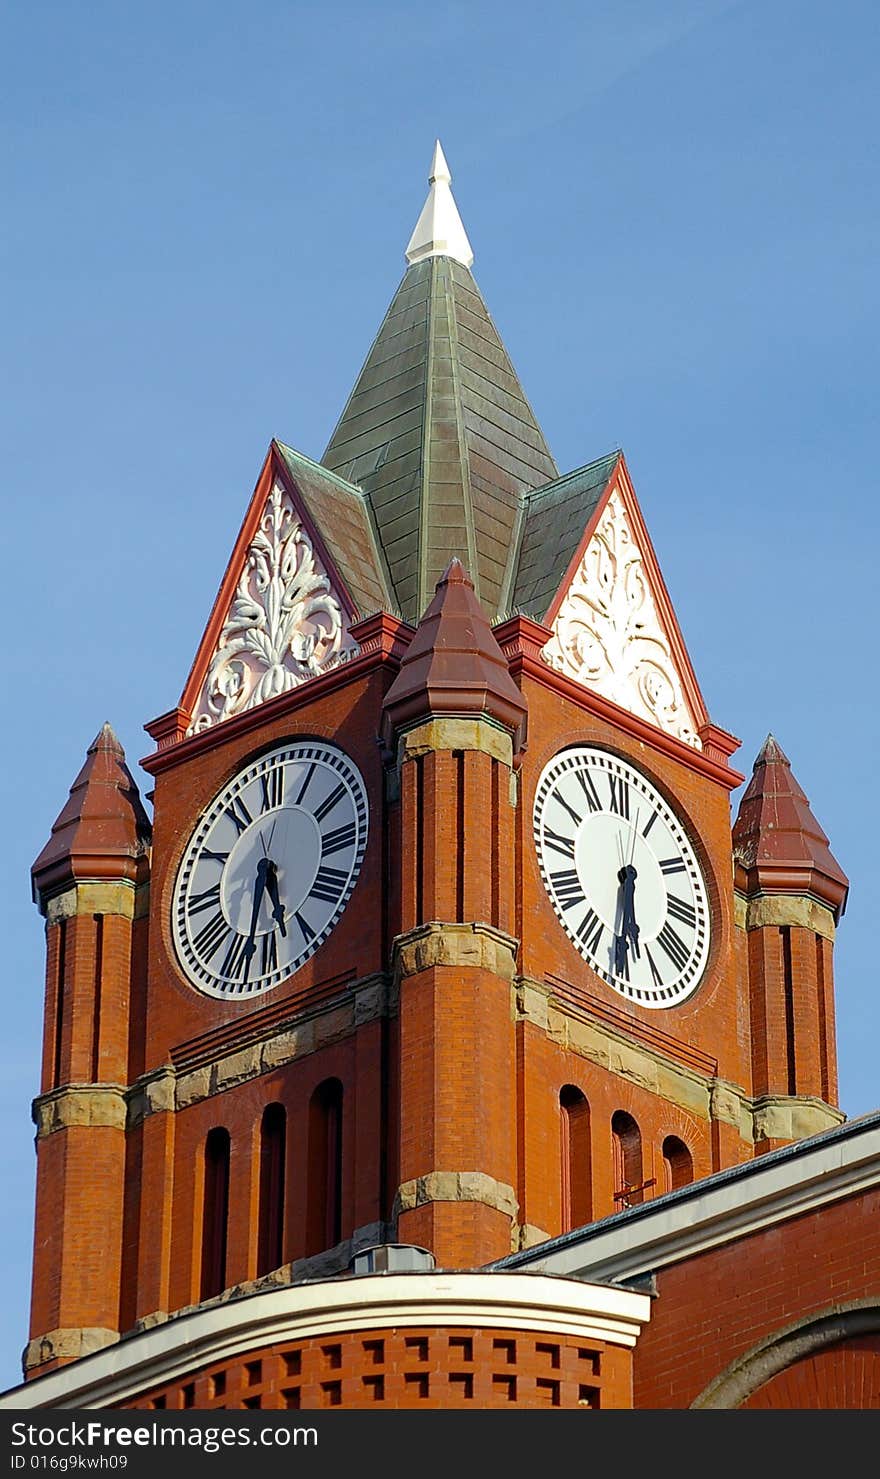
[223, 600]
[273, 468]
[574, 563]
[661, 596]
[286, 478]
[521, 641]
[619, 481]
[383, 639]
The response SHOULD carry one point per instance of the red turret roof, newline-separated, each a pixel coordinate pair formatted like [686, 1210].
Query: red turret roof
[103, 831]
[778, 846]
[454, 664]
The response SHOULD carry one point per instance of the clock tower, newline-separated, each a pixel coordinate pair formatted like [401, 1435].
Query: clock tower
[440, 943]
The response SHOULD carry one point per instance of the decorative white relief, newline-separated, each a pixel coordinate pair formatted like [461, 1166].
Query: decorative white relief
[608, 636]
[285, 624]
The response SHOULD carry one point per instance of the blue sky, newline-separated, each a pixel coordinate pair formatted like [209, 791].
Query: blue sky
[674, 214]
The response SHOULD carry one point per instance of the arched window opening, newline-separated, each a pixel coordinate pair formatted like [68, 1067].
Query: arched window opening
[324, 1221]
[215, 1214]
[577, 1199]
[273, 1143]
[678, 1163]
[629, 1182]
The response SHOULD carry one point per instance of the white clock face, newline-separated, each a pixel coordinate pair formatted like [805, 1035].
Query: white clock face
[622, 875]
[269, 869]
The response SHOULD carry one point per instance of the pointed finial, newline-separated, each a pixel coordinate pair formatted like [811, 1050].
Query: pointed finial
[439, 231]
[771, 753]
[439, 167]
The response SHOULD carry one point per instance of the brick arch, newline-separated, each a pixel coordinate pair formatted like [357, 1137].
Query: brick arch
[809, 1344]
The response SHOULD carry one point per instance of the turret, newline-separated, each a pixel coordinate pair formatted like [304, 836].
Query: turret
[453, 723]
[91, 883]
[791, 893]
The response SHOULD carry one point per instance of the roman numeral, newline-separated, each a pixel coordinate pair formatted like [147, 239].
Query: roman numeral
[590, 931]
[337, 839]
[658, 979]
[329, 802]
[674, 946]
[567, 886]
[649, 823]
[238, 814]
[307, 932]
[237, 961]
[622, 964]
[305, 785]
[272, 786]
[681, 909]
[199, 902]
[588, 787]
[575, 816]
[211, 936]
[328, 884]
[565, 845]
[268, 953]
[216, 857]
[619, 796]
[672, 865]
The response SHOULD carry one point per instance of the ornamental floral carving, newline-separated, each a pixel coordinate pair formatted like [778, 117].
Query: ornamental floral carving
[285, 624]
[608, 635]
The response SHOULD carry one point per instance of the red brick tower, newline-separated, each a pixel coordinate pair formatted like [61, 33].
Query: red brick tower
[91, 882]
[444, 948]
[791, 893]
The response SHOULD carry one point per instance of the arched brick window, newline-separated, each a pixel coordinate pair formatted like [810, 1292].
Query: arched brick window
[273, 1142]
[215, 1214]
[626, 1141]
[678, 1163]
[577, 1200]
[324, 1219]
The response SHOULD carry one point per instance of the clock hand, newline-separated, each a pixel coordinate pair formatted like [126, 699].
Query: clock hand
[629, 929]
[259, 885]
[272, 888]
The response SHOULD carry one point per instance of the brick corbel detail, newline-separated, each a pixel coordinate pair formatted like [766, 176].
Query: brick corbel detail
[475, 946]
[455, 1186]
[66, 1345]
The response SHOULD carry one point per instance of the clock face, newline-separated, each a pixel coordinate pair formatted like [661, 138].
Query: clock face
[269, 869]
[622, 875]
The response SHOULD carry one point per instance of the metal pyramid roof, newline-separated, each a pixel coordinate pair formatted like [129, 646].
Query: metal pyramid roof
[439, 435]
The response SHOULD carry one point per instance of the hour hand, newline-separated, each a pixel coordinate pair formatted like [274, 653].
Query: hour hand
[250, 943]
[272, 890]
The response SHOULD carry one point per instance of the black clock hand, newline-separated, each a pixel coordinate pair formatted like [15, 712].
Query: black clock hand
[629, 929]
[259, 885]
[272, 888]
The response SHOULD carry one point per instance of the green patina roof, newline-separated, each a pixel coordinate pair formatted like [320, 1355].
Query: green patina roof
[343, 518]
[440, 437]
[555, 518]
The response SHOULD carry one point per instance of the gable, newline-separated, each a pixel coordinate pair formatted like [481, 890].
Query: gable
[613, 626]
[282, 615]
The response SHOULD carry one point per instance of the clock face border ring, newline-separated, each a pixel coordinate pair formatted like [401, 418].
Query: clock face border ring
[241, 843]
[587, 792]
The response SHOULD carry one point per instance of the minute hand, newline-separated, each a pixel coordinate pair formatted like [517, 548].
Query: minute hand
[259, 885]
[272, 888]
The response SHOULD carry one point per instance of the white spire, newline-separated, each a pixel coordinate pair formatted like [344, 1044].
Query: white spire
[439, 231]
